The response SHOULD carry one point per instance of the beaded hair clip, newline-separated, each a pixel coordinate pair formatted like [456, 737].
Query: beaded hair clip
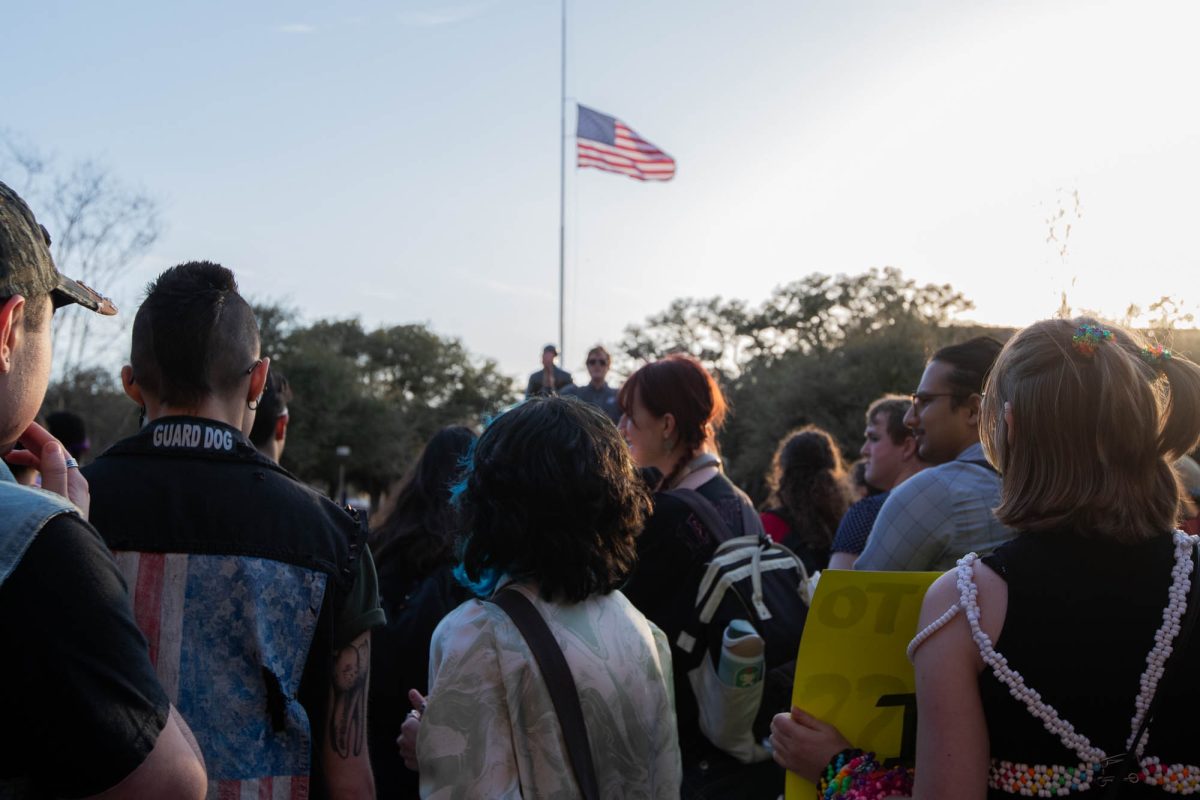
[1155, 355]
[1089, 337]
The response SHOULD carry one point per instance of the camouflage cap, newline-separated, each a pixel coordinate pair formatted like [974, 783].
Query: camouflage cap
[26, 267]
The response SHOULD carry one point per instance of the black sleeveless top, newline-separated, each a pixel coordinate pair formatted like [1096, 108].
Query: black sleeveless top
[1081, 618]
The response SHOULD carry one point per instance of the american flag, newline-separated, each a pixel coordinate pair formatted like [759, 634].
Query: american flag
[606, 143]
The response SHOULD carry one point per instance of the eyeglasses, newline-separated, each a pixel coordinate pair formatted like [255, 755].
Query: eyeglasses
[922, 399]
[597, 362]
[250, 368]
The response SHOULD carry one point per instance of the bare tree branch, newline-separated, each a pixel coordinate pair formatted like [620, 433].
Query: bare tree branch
[100, 227]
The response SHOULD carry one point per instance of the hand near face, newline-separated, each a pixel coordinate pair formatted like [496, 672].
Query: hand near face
[47, 455]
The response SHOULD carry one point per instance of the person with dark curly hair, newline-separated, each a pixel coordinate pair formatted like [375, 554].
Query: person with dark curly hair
[809, 494]
[414, 553]
[860, 489]
[551, 505]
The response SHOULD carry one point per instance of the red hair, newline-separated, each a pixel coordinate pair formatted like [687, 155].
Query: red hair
[680, 386]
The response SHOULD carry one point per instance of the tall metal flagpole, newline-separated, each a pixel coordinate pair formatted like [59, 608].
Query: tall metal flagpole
[562, 190]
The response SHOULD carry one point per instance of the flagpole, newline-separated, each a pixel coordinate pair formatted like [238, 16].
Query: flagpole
[562, 190]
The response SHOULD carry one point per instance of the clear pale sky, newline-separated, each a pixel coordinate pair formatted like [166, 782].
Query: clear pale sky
[399, 161]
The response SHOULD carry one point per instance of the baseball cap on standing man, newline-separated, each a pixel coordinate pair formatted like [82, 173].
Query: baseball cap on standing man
[26, 267]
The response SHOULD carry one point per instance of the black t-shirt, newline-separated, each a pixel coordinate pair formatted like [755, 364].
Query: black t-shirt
[81, 707]
[400, 661]
[673, 550]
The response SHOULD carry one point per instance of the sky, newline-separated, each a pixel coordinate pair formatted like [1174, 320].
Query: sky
[399, 162]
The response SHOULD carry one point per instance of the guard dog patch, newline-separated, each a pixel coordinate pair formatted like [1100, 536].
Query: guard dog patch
[192, 435]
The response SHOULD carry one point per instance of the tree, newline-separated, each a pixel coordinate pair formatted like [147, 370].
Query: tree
[830, 388]
[382, 393]
[99, 227]
[714, 330]
[96, 396]
[813, 314]
[818, 350]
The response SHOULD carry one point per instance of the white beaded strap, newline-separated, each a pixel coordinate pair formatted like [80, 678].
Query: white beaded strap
[930, 630]
[1155, 660]
[1051, 721]
[1164, 637]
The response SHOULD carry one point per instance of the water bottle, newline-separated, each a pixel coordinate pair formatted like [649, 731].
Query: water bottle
[741, 664]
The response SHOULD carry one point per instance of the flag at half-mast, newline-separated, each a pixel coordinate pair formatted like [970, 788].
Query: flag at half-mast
[606, 143]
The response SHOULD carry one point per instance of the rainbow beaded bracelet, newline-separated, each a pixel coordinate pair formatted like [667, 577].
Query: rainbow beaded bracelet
[855, 775]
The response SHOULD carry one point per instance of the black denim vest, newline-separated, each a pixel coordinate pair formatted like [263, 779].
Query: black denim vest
[193, 485]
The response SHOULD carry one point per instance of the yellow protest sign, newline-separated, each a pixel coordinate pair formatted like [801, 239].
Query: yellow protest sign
[852, 670]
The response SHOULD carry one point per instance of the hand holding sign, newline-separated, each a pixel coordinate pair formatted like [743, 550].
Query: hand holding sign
[804, 744]
[852, 674]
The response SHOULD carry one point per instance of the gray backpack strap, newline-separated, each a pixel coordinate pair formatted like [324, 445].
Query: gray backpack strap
[751, 521]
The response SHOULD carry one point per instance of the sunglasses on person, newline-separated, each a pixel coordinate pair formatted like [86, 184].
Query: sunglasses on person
[597, 362]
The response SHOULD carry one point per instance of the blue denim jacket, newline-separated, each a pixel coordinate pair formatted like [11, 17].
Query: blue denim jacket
[24, 511]
[231, 564]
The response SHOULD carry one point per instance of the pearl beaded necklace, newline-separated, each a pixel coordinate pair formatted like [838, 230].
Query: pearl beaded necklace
[1156, 659]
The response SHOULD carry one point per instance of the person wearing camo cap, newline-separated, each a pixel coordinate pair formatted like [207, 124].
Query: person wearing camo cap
[81, 712]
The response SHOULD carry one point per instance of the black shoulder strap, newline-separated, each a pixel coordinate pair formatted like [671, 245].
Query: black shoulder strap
[1129, 763]
[704, 511]
[557, 674]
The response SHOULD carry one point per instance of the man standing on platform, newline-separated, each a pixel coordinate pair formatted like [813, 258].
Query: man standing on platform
[597, 391]
[549, 379]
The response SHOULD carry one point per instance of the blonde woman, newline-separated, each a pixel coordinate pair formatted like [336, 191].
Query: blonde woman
[1036, 666]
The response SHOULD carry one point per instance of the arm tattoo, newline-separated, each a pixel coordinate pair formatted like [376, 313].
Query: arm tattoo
[348, 719]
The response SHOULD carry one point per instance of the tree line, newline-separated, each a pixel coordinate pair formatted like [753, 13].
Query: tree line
[817, 350]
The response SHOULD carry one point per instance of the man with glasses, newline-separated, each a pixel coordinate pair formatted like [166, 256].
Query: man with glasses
[940, 514]
[597, 391]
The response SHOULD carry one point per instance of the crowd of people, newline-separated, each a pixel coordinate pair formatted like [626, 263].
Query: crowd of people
[186, 619]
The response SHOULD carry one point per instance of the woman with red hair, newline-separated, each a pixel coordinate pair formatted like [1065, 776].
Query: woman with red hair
[671, 412]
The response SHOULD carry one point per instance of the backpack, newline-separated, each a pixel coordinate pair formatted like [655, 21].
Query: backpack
[753, 578]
